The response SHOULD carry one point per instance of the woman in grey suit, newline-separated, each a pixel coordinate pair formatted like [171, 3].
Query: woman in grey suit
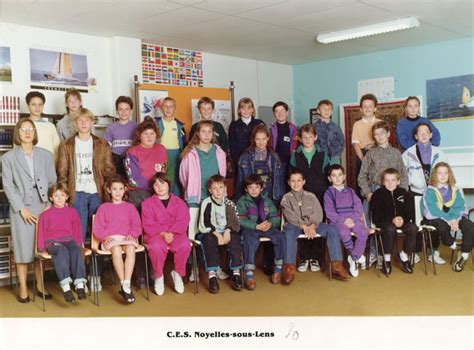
[28, 172]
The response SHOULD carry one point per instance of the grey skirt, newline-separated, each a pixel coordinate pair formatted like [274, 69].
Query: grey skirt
[23, 234]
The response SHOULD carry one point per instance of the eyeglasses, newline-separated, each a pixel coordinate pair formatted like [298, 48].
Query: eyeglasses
[25, 130]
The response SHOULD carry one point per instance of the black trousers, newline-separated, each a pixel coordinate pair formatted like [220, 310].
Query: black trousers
[443, 231]
[389, 235]
[210, 247]
[119, 167]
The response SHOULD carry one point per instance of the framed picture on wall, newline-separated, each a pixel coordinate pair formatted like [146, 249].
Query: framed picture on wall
[150, 103]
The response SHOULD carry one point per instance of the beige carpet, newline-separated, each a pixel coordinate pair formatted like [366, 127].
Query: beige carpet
[312, 294]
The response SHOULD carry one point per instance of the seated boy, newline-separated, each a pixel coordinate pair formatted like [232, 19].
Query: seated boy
[344, 210]
[219, 225]
[259, 218]
[303, 214]
[392, 208]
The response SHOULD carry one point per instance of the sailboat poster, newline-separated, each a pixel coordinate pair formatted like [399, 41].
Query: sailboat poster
[58, 70]
[451, 98]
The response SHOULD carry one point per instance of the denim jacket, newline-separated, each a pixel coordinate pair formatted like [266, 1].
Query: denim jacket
[246, 167]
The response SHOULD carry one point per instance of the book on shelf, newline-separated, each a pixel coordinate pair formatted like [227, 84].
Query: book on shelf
[9, 109]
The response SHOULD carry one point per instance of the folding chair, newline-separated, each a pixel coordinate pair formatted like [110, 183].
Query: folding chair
[459, 242]
[96, 251]
[303, 236]
[425, 231]
[43, 256]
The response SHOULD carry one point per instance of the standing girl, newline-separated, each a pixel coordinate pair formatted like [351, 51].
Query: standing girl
[262, 160]
[201, 159]
[117, 225]
[60, 234]
[165, 220]
[143, 160]
[405, 127]
[444, 207]
[173, 137]
[27, 173]
[241, 129]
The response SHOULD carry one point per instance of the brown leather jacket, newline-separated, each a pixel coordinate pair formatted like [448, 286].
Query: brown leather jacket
[102, 164]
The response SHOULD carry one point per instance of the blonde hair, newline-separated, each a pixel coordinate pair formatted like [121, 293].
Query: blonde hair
[433, 180]
[84, 112]
[245, 101]
[168, 99]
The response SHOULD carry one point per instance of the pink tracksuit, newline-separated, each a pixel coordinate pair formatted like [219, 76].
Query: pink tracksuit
[157, 218]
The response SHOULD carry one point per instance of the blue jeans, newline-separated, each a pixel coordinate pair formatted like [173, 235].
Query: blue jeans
[329, 232]
[68, 261]
[86, 205]
[251, 241]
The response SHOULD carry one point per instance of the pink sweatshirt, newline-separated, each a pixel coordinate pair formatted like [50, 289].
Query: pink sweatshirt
[156, 218]
[190, 172]
[59, 225]
[117, 219]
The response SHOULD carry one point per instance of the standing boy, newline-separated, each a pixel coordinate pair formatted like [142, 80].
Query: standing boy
[330, 136]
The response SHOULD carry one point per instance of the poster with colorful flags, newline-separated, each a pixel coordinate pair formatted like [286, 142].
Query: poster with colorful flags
[171, 66]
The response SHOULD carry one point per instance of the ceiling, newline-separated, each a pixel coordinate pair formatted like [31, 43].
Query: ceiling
[281, 31]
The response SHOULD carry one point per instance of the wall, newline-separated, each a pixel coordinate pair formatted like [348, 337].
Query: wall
[21, 38]
[337, 80]
[264, 82]
[114, 61]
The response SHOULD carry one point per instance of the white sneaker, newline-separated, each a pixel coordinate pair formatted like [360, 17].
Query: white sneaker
[178, 282]
[96, 286]
[192, 278]
[354, 271]
[221, 274]
[417, 258]
[372, 259]
[160, 286]
[438, 260]
[303, 266]
[361, 261]
[314, 265]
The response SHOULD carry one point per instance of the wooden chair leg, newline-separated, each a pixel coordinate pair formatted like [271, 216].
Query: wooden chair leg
[376, 253]
[424, 249]
[452, 250]
[34, 280]
[42, 284]
[195, 270]
[383, 254]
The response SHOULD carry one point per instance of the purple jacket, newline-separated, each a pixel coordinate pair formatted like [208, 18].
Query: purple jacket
[340, 205]
[293, 136]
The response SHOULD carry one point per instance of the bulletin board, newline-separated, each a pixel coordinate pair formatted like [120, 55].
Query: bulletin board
[183, 96]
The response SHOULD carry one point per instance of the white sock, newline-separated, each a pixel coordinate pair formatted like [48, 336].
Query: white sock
[465, 256]
[403, 256]
[453, 246]
[387, 257]
[66, 287]
[80, 285]
[236, 272]
[126, 286]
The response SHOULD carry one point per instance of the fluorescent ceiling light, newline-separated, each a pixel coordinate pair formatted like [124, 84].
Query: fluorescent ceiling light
[373, 29]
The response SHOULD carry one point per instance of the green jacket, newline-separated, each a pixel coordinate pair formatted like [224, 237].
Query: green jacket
[248, 211]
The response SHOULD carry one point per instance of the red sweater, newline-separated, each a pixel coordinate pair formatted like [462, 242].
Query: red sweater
[117, 219]
[59, 225]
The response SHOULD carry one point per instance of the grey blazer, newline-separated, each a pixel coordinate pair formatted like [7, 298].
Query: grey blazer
[17, 181]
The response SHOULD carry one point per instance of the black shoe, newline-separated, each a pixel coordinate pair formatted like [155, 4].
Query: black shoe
[213, 285]
[236, 283]
[69, 297]
[268, 270]
[387, 267]
[127, 297]
[81, 293]
[406, 266]
[23, 300]
[47, 296]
